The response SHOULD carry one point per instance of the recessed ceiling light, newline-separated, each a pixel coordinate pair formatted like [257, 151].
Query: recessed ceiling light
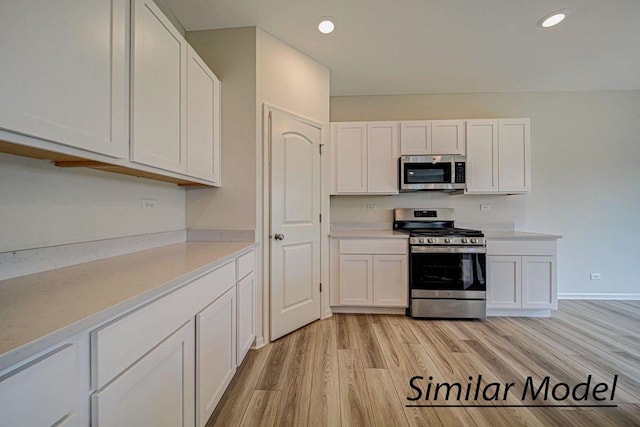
[327, 25]
[553, 18]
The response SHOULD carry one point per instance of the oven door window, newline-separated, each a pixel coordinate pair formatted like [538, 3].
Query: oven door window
[427, 173]
[448, 272]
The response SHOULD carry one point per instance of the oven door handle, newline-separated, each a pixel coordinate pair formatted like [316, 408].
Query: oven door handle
[448, 250]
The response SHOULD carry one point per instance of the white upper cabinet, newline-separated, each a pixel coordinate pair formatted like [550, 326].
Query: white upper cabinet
[482, 156]
[203, 120]
[415, 138]
[365, 157]
[158, 95]
[514, 156]
[64, 72]
[426, 137]
[447, 137]
[498, 156]
[350, 161]
[382, 157]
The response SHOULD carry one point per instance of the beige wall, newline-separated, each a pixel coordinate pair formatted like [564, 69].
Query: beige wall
[291, 80]
[41, 205]
[585, 175]
[231, 54]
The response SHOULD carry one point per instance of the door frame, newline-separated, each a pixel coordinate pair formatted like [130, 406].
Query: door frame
[264, 211]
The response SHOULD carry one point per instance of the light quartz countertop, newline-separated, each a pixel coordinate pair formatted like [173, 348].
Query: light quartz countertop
[367, 234]
[40, 310]
[518, 235]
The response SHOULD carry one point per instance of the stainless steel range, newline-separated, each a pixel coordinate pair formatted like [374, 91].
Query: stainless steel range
[447, 265]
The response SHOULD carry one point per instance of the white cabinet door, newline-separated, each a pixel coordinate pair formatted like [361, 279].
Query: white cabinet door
[390, 275]
[539, 282]
[382, 157]
[356, 279]
[43, 393]
[447, 137]
[504, 282]
[482, 156]
[64, 72]
[350, 157]
[514, 154]
[156, 391]
[203, 120]
[415, 138]
[158, 95]
[246, 293]
[215, 353]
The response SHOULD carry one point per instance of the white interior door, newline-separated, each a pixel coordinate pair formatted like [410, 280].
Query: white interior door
[295, 223]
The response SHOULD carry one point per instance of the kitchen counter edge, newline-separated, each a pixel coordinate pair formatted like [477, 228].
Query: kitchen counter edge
[367, 234]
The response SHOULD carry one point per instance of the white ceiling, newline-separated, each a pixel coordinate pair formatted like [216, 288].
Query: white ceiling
[445, 46]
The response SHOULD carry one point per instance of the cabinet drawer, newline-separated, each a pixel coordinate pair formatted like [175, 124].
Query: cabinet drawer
[521, 247]
[373, 246]
[42, 393]
[246, 264]
[120, 343]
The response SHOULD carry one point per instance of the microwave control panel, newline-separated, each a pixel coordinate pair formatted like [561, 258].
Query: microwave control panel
[460, 173]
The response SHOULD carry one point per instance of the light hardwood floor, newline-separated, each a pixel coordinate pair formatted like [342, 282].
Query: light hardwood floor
[354, 370]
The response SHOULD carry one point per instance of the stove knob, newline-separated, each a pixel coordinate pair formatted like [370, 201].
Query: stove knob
[432, 240]
[465, 240]
[422, 240]
[474, 240]
[447, 240]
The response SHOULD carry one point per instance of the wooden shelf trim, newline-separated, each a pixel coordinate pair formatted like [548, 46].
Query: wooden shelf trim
[68, 161]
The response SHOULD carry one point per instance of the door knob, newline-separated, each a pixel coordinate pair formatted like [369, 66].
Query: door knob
[278, 236]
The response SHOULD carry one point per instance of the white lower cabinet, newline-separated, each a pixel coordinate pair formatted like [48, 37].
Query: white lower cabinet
[504, 274]
[521, 275]
[215, 353]
[390, 274]
[44, 392]
[373, 272]
[156, 391]
[166, 363]
[538, 282]
[246, 327]
[356, 279]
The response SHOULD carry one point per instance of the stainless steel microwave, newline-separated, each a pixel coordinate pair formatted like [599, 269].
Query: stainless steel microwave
[446, 173]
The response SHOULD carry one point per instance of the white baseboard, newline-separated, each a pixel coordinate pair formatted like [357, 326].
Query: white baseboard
[328, 313]
[258, 343]
[368, 310]
[602, 296]
[517, 312]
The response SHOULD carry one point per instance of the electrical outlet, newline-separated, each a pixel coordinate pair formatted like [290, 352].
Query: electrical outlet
[148, 204]
[371, 207]
[485, 207]
[595, 276]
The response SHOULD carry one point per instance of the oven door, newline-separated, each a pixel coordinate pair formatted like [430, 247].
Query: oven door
[448, 272]
[427, 173]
